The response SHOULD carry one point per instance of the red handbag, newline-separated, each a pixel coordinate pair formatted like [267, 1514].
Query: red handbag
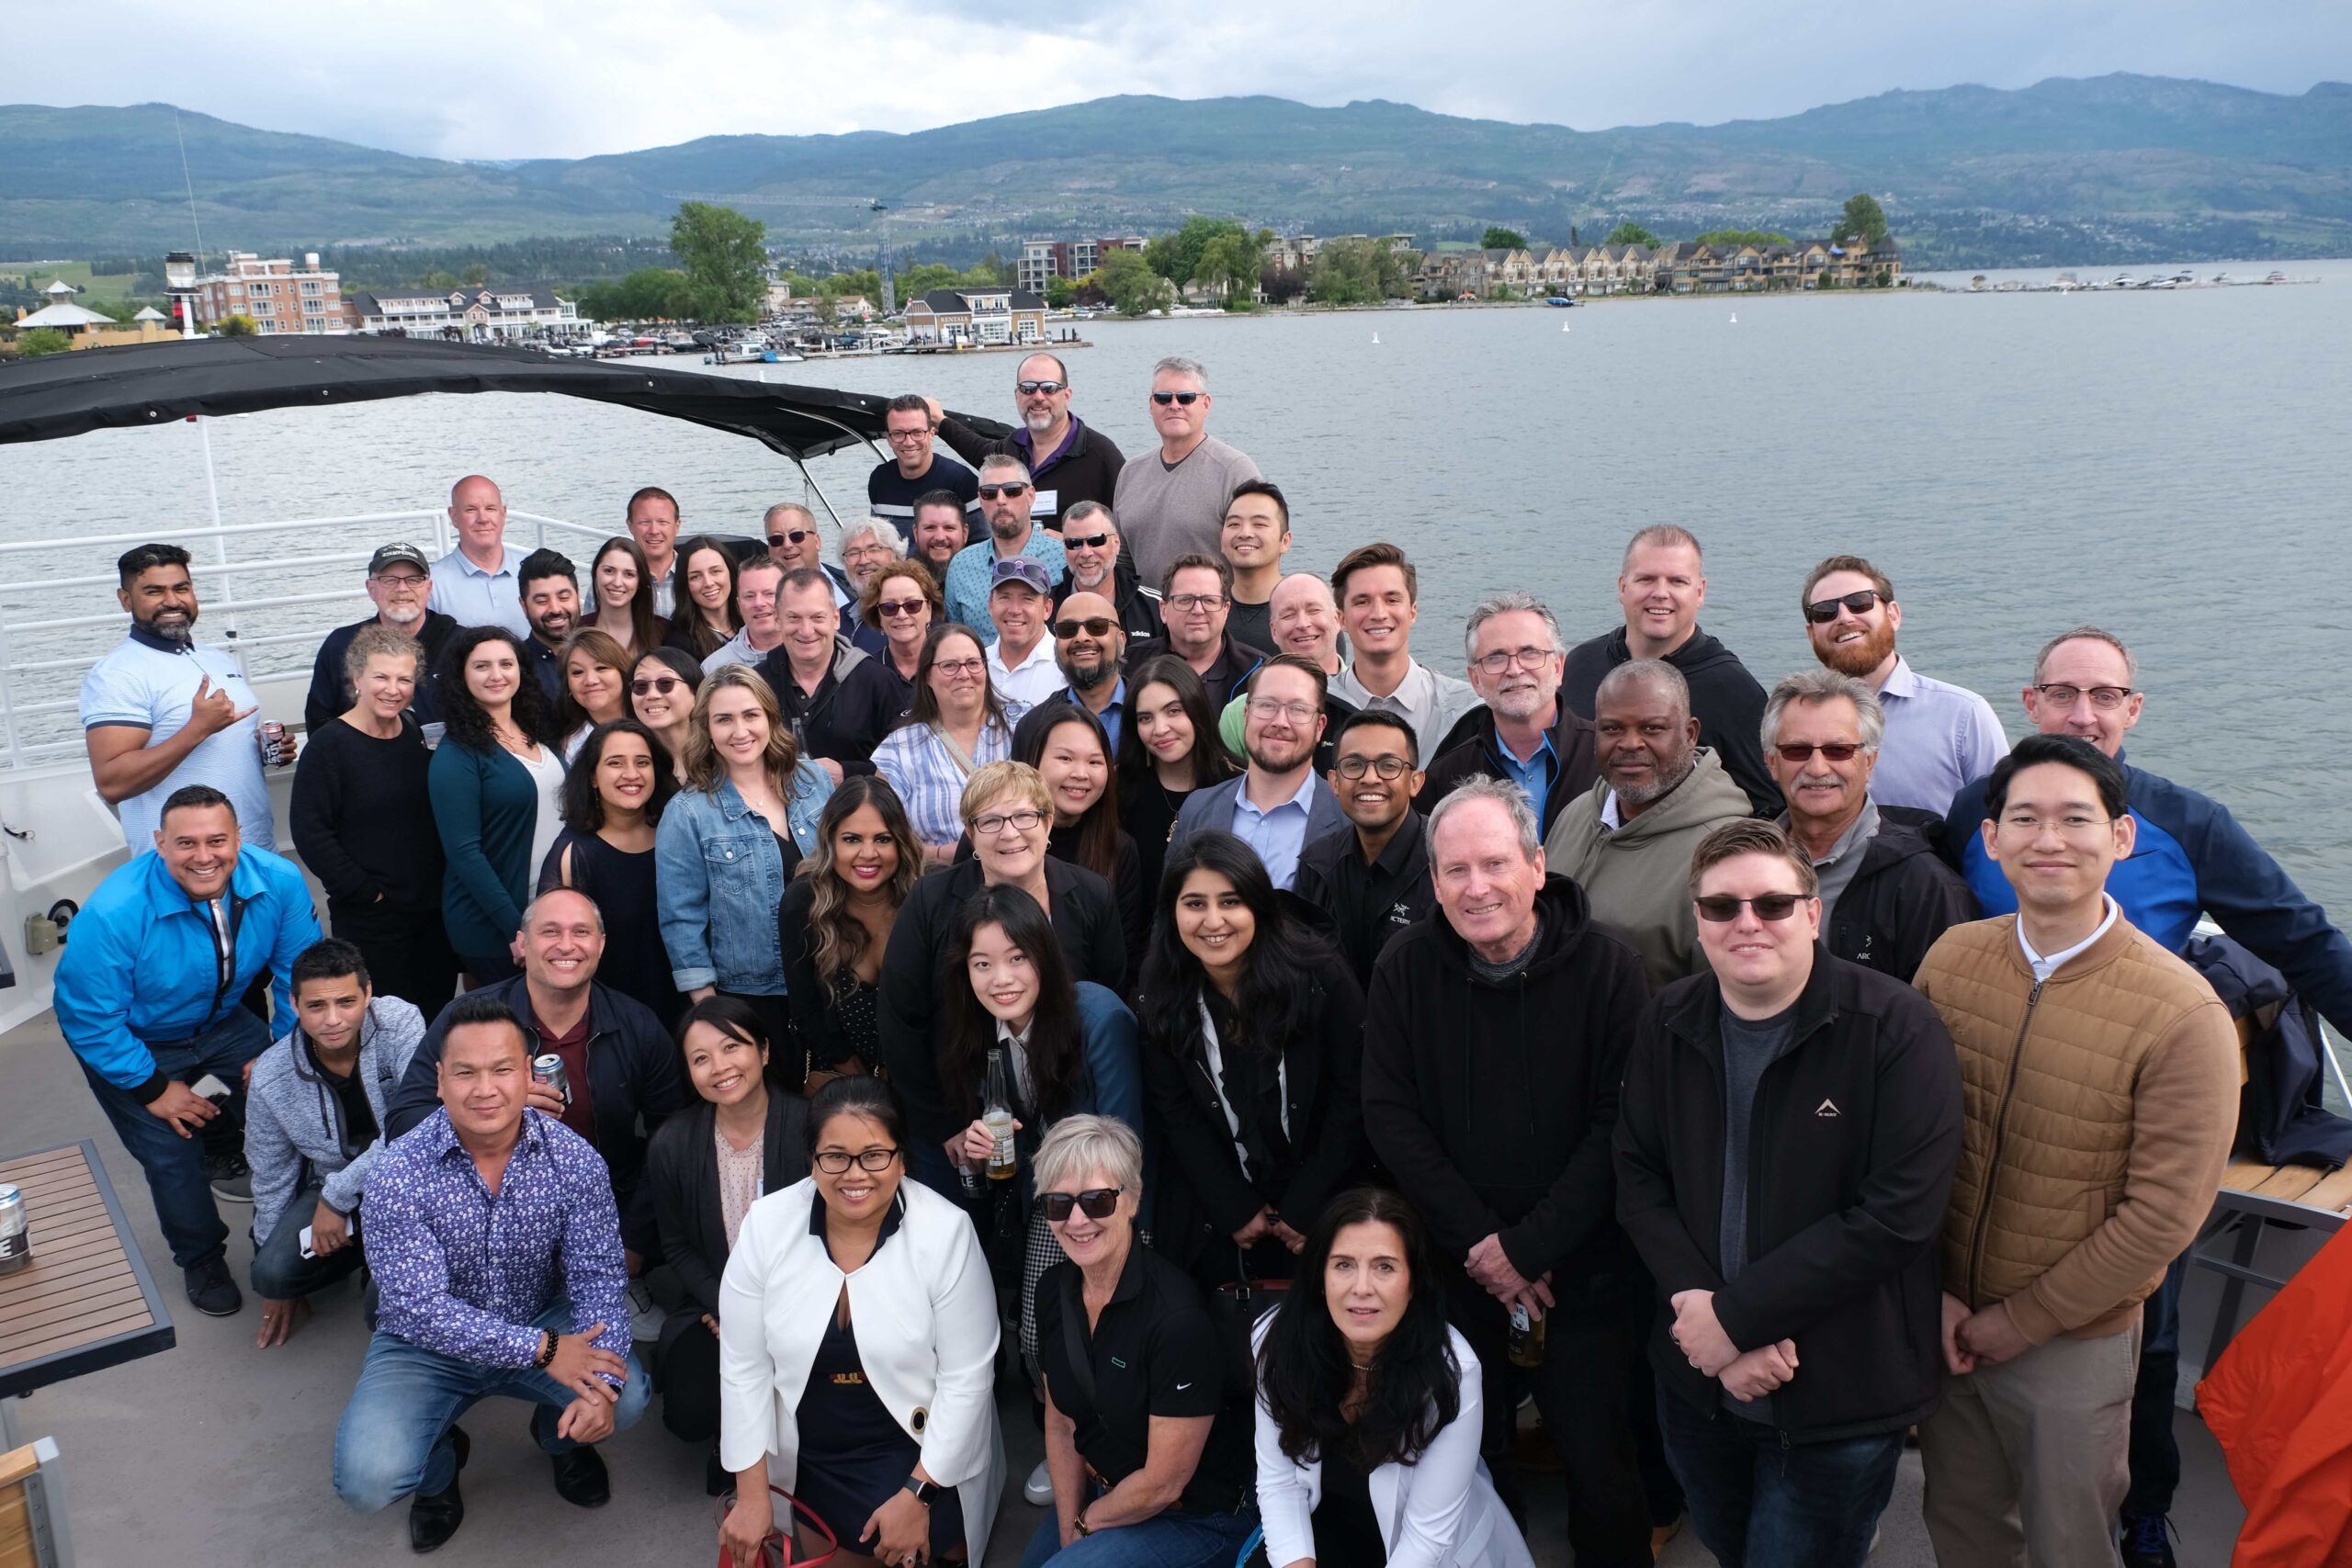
[776, 1550]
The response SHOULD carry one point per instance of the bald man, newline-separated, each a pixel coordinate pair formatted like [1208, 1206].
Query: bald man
[1089, 647]
[476, 584]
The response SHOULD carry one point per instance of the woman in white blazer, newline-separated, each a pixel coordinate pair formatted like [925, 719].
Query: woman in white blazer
[857, 1351]
[1368, 1406]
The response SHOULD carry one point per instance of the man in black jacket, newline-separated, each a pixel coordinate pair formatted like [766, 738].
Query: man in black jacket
[1494, 1040]
[1095, 563]
[1374, 882]
[1068, 460]
[1885, 895]
[399, 579]
[837, 698]
[621, 1065]
[1524, 732]
[1662, 585]
[1786, 1150]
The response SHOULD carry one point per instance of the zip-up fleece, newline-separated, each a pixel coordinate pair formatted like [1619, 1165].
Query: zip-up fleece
[1493, 1104]
[2100, 1106]
[846, 716]
[294, 1128]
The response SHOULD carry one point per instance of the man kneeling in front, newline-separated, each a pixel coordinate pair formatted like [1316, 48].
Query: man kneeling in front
[497, 1247]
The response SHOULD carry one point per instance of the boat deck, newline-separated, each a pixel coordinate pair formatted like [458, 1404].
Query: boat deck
[215, 1454]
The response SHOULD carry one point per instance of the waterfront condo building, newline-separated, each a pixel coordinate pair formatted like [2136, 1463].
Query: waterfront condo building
[279, 297]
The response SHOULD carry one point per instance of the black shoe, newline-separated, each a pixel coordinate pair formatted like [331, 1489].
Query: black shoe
[230, 1177]
[580, 1478]
[2144, 1543]
[210, 1289]
[433, 1518]
[716, 1478]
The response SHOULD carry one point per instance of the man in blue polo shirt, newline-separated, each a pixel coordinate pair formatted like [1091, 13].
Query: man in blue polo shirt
[1005, 487]
[2190, 857]
[477, 583]
[149, 996]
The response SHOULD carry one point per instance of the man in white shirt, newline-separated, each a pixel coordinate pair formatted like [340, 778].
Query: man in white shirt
[756, 599]
[1021, 661]
[1379, 597]
[476, 584]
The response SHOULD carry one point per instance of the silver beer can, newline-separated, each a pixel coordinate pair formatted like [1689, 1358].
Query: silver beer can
[16, 1240]
[549, 1070]
[270, 735]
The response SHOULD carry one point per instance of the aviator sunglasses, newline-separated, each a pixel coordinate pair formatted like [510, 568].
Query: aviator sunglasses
[1721, 906]
[1098, 1203]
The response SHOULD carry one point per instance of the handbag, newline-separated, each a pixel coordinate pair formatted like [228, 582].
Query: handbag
[777, 1551]
[1235, 1308]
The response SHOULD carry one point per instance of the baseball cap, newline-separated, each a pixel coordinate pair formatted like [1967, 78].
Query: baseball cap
[398, 554]
[1024, 571]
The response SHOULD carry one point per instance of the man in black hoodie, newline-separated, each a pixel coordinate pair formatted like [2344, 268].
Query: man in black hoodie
[1494, 1038]
[1662, 586]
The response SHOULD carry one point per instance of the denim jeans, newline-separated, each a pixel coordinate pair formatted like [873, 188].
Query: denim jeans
[1757, 1503]
[2156, 1451]
[394, 1436]
[1172, 1541]
[175, 1165]
[281, 1272]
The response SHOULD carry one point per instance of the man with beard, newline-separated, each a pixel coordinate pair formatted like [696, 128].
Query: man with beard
[1098, 564]
[1306, 621]
[1088, 648]
[940, 530]
[1525, 733]
[1005, 487]
[914, 470]
[1069, 460]
[1938, 736]
[476, 584]
[1627, 841]
[163, 711]
[550, 592]
[1278, 805]
[398, 581]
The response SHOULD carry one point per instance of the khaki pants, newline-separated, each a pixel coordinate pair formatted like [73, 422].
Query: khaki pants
[2025, 1461]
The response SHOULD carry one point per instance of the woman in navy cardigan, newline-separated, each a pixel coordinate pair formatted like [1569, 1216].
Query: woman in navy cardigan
[496, 784]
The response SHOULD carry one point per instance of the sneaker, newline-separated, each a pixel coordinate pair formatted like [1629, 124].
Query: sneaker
[230, 1177]
[1039, 1488]
[2146, 1543]
[210, 1289]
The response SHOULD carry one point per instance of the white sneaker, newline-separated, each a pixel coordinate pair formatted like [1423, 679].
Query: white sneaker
[1039, 1488]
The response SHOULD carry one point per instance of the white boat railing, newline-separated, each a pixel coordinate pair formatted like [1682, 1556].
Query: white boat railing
[30, 600]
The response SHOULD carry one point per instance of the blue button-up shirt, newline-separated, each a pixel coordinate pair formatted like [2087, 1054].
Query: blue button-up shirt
[464, 1270]
[473, 597]
[969, 574]
[1939, 736]
[1278, 833]
[1534, 775]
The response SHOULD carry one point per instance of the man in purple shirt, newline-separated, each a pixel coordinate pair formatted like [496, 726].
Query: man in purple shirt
[497, 1250]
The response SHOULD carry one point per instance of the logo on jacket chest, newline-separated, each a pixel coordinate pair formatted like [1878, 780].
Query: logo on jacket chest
[1826, 1109]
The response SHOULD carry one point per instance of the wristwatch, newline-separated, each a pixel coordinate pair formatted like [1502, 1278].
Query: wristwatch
[925, 1492]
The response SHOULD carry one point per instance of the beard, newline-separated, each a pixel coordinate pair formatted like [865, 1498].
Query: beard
[1089, 678]
[1281, 762]
[1009, 529]
[1662, 783]
[176, 631]
[1039, 421]
[1860, 657]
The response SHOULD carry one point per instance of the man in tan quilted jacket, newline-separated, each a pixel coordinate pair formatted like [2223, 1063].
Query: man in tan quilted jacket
[2100, 1090]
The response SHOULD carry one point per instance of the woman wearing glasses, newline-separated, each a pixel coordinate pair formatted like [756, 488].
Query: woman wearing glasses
[1254, 1038]
[623, 613]
[834, 926]
[707, 618]
[956, 726]
[900, 604]
[1071, 751]
[662, 686]
[1147, 1440]
[857, 1335]
[1168, 748]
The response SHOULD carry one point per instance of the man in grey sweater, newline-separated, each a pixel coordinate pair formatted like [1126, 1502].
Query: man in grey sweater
[314, 1120]
[1173, 502]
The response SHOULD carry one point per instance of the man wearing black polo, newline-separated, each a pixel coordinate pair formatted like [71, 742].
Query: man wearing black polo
[1068, 459]
[1375, 881]
[399, 579]
[550, 591]
[915, 470]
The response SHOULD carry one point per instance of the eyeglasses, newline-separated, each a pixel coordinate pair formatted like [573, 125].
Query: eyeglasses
[960, 666]
[1266, 708]
[2066, 696]
[1836, 752]
[836, 1162]
[1098, 1203]
[1022, 821]
[1502, 659]
[890, 609]
[1719, 907]
[1821, 612]
[402, 581]
[871, 547]
[665, 685]
[1031, 389]
[1094, 626]
[990, 492]
[794, 537]
[1069, 542]
[1388, 766]
[900, 437]
[1187, 398]
[1194, 601]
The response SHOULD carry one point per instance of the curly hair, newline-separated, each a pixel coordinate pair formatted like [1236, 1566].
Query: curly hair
[468, 722]
[837, 938]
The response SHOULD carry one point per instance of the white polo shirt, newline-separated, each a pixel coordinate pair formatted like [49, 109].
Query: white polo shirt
[1029, 682]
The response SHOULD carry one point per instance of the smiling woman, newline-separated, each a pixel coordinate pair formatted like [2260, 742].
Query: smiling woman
[613, 801]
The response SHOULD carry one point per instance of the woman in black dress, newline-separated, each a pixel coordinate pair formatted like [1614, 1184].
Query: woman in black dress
[1169, 748]
[612, 798]
[835, 925]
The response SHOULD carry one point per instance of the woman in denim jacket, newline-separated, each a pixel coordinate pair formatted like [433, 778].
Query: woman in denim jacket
[730, 841]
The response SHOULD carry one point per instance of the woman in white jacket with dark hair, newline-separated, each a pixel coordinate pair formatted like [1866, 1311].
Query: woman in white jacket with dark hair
[1368, 1406]
[857, 1352]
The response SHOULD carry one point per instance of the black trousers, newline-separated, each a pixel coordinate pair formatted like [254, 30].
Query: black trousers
[685, 1369]
[408, 957]
[1591, 1346]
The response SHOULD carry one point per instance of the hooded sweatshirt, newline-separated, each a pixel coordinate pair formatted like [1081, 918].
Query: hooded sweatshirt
[845, 717]
[1725, 699]
[1493, 1103]
[1638, 875]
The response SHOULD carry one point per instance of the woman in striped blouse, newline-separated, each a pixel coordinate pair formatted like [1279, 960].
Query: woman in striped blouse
[958, 723]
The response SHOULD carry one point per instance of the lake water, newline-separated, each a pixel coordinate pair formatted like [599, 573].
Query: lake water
[2170, 465]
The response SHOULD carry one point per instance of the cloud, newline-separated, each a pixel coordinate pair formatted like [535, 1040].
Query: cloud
[533, 79]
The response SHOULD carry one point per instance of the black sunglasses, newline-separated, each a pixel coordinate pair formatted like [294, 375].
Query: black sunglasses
[1075, 541]
[1821, 612]
[664, 684]
[1718, 908]
[1099, 1202]
[892, 608]
[1836, 751]
[990, 492]
[793, 537]
[1187, 398]
[1030, 389]
[1094, 626]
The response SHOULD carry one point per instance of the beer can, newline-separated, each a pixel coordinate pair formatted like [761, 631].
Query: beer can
[271, 737]
[549, 1069]
[16, 1239]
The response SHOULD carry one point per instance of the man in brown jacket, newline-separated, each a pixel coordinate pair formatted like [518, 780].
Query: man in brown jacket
[2099, 1076]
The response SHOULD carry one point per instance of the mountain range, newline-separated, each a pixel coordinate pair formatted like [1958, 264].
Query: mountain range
[2111, 168]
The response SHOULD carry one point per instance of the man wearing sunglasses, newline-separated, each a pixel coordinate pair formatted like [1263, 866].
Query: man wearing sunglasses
[1798, 1341]
[1375, 881]
[914, 470]
[1938, 736]
[1005, 489]
[1173, 504]
[1088, 649]
[1526, 732]
[795, 541]
[1886, 896]
[1070, 459]
[1098, 564]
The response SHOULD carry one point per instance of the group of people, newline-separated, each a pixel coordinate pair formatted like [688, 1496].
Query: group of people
[1007, 955]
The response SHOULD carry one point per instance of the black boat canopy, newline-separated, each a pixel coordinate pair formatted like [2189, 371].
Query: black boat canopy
[157, 383]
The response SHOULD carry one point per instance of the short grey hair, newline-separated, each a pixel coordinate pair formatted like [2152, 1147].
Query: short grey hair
[1814, 687]
[532, 908]
[2088, 633]
[1512, 601]
[876, 528]
[1005, 461]
[1086, 512]
[1079, 1145]
[1503, 793]
[1177, 365]
[767, 518]
[1645, 672]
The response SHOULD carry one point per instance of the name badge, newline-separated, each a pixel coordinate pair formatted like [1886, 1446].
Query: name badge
[1045, 502]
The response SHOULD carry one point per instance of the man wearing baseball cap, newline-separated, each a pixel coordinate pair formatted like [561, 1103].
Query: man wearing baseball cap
[399, 581]
[1021, 661]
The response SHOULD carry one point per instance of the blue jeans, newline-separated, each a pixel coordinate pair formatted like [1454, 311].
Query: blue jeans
[281, 1272]
[394, 1436]
[2154, 1450]
[175, 1165]
[1172, 1541]
[1757, 1503]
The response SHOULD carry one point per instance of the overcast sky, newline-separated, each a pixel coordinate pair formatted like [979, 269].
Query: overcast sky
[533, 79]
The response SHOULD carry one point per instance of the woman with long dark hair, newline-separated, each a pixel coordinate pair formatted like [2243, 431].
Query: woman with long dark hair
[1071, 751]
[496, 782]
[1253, 1030]
[1369, 1405]
[956, 726]
[662, 686]
[612, 804]
[707, 618]
[622, 581]
[834, 926]
[1168, 748]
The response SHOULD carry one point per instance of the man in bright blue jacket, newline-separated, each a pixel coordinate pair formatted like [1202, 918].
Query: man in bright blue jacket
[150, 995]
[2190, 857]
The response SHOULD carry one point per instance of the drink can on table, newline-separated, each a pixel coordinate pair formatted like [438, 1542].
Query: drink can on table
[549, 1070]
[16, 1239]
